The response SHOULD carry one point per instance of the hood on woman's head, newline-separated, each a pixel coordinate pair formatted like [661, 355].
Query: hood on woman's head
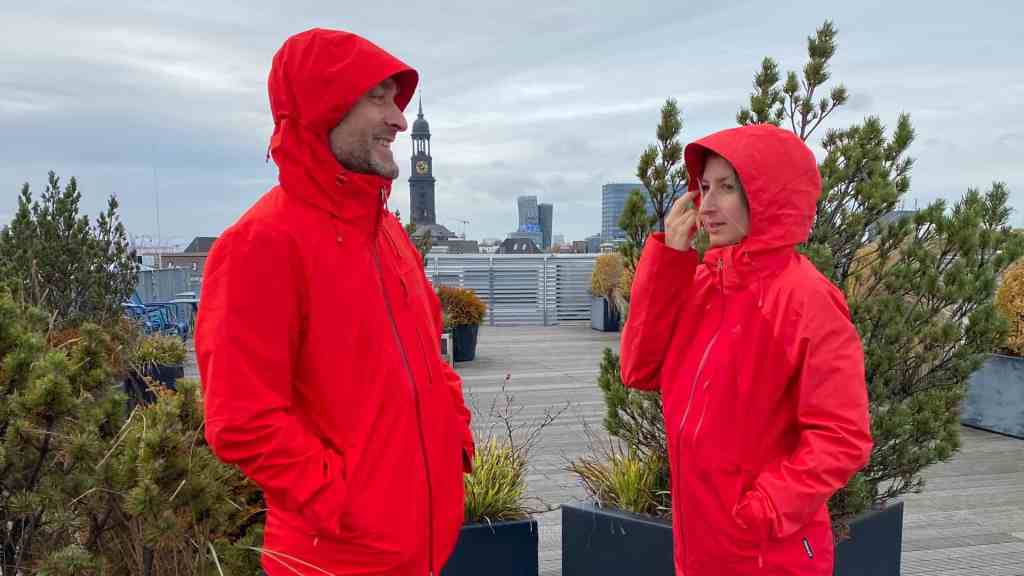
[778, 173]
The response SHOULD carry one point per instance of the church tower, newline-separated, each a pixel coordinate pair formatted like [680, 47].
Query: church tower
[421, 183]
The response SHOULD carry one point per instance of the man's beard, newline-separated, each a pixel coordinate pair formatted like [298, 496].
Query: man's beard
[361, 159]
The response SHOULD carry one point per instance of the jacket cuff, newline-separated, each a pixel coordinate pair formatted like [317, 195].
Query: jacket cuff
[324, 509]
[754, 513]
[666, 260]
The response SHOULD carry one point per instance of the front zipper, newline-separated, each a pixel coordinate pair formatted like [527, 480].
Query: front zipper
[398, 255]
[416, 401]
[693, 386]
[707, 354]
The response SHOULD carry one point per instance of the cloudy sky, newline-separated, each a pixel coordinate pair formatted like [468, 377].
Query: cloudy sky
[168, 99]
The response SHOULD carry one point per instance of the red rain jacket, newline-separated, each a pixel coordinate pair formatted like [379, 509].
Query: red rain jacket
[760, 369]
[318, 344]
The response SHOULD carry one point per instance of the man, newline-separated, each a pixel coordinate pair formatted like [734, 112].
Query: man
[318, 334]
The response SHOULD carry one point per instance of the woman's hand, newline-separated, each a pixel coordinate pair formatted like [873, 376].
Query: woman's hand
[681, 223]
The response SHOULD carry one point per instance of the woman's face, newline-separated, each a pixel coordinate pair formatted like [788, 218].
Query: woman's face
[723, 205]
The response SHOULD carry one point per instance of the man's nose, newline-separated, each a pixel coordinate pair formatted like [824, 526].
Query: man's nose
[397, 120]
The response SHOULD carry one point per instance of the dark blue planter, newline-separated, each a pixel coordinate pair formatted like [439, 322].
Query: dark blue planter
[498, 549]
[137, 390]
[995, 397]
[606, 541]
[875, 545]
[609, 542]
[464, 341]
[602, 316]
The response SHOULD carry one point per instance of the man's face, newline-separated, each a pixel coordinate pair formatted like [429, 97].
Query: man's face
[362, 140]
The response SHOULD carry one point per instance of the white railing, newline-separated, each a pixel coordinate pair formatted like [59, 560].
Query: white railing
[535, 289]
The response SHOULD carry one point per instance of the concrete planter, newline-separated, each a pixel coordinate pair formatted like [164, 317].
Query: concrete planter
[995, 397]
[603, 317]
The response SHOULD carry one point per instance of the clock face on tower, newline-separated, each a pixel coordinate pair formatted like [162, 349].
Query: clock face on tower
[422, 167]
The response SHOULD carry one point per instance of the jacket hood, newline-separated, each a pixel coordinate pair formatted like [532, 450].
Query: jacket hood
[779, 175]
[315, 79]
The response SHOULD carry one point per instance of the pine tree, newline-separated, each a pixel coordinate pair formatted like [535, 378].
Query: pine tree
[660, 168]
[631, 416]
[87, 487]
[920, 288]
[59, 413]
[637, 225]
[90, 484]
[52, 257]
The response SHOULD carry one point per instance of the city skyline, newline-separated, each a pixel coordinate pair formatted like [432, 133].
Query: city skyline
[542, 104]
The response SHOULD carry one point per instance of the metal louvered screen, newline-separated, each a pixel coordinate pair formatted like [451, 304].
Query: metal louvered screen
[538, 290]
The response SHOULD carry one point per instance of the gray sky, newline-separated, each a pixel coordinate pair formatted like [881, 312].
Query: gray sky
[529, 97]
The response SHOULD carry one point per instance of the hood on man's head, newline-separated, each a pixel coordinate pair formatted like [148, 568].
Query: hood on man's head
[779, 175]
[318, 75]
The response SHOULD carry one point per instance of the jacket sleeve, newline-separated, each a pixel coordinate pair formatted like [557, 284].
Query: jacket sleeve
[247, 337]
[832, 414]
[663, 276]
[454, 383]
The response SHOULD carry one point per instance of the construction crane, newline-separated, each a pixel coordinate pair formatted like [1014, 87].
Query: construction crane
[464, 223]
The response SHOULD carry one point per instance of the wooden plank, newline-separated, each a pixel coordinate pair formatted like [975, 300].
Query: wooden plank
[969, 519]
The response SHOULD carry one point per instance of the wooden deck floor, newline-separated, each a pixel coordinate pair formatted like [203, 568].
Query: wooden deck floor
[968, 521]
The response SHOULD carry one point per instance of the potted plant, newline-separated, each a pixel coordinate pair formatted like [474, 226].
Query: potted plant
[920, 289]
[605, 289]
[626, 529]
[463, 311]
[156, 358]
[995, 395]
[500, 536]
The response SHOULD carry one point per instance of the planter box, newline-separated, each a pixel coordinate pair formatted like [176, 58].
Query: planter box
[875, 545]
[604, 541]
[602, 316]
[598, 541]
[498, 549]
[137, 390]
[995, 397]
[167, 375]
[464, 338]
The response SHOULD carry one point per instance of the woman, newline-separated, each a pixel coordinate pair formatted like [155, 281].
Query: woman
[760, 369]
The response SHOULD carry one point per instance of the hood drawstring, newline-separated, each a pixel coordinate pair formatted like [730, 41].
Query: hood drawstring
[760, 278]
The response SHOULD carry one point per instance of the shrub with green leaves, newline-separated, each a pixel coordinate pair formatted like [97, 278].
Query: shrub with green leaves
[626, 479]
[158, 350]
[496, 489]
[88, 487]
